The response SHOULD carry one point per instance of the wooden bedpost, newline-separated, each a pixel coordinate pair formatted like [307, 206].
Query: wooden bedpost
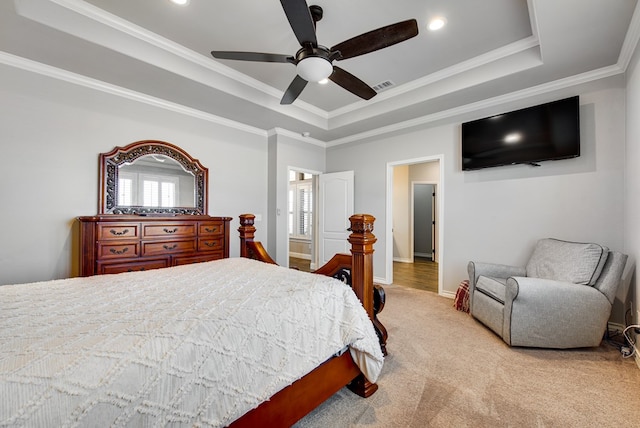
[362, 240]
[247, 231]
[248, 247]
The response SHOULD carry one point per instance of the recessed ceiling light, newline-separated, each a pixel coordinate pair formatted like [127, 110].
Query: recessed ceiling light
[437, 23]
[180, 2]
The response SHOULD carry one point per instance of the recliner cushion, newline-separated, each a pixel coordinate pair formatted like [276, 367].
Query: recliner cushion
[575, 262]
[492, 287]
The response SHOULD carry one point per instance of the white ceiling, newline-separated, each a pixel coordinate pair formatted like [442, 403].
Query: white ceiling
[159, 51]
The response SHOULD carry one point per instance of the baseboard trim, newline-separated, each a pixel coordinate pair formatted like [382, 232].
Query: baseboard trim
[448, 294]
[425, 255]
[300, 255]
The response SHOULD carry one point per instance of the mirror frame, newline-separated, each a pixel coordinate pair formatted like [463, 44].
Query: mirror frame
[109, 163]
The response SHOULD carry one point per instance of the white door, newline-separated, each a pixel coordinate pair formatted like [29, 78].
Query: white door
[335, 207]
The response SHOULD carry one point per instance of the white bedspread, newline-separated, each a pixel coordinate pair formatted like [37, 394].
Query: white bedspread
[199, 344]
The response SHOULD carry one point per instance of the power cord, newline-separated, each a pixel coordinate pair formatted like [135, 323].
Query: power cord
[614, 337]
[625, 350]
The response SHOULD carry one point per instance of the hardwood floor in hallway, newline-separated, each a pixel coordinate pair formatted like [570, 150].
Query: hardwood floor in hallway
[421, 274]
[300, 264]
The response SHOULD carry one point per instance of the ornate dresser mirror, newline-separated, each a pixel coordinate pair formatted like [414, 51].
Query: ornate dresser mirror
[152, 214]
[152, 177]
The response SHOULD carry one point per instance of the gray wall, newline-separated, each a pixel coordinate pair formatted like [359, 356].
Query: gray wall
[632, 186]
[51, 134]
[498, 214]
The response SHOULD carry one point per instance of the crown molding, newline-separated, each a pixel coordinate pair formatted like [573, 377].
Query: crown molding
[144, 45]
[542, 89]
[95, 15]
[77, 79]
[105, 29]
[295, 136]
[87, 82]
[630, 40]
[444, 74]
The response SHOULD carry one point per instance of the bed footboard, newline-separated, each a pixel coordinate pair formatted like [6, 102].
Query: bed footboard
[309, 391]
[355, 269]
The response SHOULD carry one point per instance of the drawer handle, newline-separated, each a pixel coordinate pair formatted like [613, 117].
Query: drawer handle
[118, 252]
[115, 232]
[208, 230]
[131, 269]
[210, 244]
[169, 248]
[174, 230]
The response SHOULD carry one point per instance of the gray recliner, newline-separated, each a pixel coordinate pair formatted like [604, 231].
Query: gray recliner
[562, 298]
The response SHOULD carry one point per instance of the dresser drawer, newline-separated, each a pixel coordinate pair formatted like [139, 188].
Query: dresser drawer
[152, 248]
[186, 260]
[132, 266]
[168, 230]
[210, 244]
[110, 231]
[211, 228]
[118, 250]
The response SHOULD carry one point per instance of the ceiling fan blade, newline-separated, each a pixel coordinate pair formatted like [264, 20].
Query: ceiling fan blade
[301, 21]
[253, 56]
[377, 39]
[294, 89]
[351, 83]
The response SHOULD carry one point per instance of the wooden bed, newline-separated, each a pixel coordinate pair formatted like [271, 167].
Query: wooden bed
[294, 402]
[227, 342]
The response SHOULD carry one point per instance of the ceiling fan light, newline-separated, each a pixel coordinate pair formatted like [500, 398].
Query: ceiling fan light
[314, 69]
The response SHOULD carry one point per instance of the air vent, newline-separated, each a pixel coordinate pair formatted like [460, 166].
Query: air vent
[382, 86]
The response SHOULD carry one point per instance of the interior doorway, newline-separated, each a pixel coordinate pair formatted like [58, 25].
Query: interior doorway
[301, 218]
[409, 183]
[423, 219]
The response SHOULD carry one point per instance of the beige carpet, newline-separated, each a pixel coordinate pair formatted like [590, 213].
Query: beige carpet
[445, 369]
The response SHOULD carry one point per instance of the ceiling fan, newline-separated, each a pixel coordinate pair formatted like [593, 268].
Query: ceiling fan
[314, 62]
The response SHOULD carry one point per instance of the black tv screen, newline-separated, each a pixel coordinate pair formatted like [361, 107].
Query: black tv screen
[545, 132]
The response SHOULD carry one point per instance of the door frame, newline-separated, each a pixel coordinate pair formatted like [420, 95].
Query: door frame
[439, 216]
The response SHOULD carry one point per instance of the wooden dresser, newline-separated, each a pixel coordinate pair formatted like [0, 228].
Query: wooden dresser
[120, 243]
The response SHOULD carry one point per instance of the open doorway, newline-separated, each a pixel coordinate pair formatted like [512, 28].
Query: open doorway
[414, 213]
[423, 219]
[301, 219]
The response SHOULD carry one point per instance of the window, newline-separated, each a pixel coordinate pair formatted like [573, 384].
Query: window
[158, 191]
[300, 206]
[147, 190]
[125, 191]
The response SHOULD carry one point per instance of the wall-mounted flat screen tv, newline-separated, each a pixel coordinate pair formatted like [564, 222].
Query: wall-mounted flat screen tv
[545, 132]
